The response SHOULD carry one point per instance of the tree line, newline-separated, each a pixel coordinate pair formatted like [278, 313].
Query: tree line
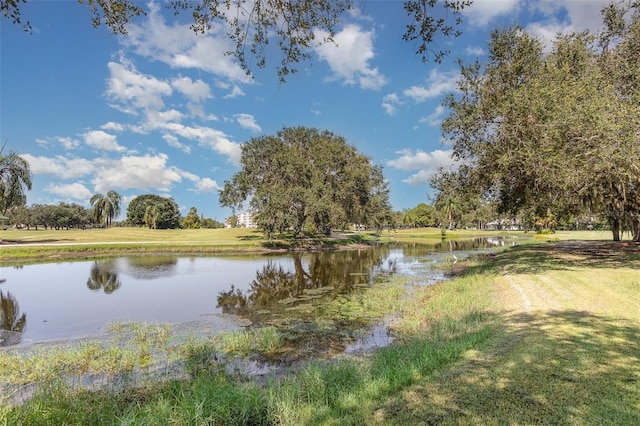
[149, 210]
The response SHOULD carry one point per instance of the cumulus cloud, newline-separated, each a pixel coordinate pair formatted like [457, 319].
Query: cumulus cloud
[102, 140]
[438, 83]
[248, 121]
[390, 103]
[180, 47]
[132, 90]
[474, 51]
[209, 138]
[173, 142]
[196, 91]
[114, 127]
[149, 172]
[59, 166]
[135, 172]
[75, 191]
[425, 164]
[580, 15]
[349, 57]
[65, 141]
[207, 186]
[435, 118]
[481, 12]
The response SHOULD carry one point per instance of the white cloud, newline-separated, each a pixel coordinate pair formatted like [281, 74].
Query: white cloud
[474, 51]
[147, 172]
[196, 91]
[235, 92]
[65, 141]
[248, 121]
[114, 127]
[580, 15]
[173, 142]
[349, 57]
[438, 84]
[180, 47]
[102, 140]
[76, 191]
[59, 166]
[390, 103]
[435, 118]
[481, 12]
[207, 186]
[208, 137]
[425, 163]
[134, 90]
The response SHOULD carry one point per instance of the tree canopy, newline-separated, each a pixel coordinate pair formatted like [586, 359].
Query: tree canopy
[296, 25]
[306, 179]
[554, 132]
[153, 211]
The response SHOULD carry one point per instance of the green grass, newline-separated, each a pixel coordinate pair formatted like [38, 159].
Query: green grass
[538, 334]
[49, 245]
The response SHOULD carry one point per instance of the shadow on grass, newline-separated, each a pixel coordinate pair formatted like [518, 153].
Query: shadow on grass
[41, 241]
[537, 258]
[566, 367]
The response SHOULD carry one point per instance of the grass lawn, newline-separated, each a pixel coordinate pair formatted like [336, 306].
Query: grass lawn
[45, 245]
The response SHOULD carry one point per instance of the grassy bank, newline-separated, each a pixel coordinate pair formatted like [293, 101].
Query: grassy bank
[538, 334]
[47, 245]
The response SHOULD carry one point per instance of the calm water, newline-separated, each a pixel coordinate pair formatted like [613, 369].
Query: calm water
[58, 301]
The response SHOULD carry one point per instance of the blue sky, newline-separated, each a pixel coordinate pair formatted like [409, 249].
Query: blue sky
[164, 111]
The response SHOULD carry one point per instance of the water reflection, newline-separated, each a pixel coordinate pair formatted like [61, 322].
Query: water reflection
[12, 323]
[102, 276]
[330, 272]
[150, 267]
[284, 290]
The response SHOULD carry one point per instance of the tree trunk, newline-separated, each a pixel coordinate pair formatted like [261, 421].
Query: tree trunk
[615, 228]
[635, 227]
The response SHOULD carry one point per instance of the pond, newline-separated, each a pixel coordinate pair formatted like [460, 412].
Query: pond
[68, 300]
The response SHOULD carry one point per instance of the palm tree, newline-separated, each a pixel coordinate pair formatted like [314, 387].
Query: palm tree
[151, 215]
[12, 323]
[15, 176]
[106, 207]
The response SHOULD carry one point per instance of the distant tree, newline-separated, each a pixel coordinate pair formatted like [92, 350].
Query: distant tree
[209, 223]
[422, 215]
[15, 177]
[106, 207]
[164, 210]
[302, 178]
[232, 221]
[192, 220]
[296, 25]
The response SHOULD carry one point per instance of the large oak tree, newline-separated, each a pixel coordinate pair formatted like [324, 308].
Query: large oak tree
[303, 178]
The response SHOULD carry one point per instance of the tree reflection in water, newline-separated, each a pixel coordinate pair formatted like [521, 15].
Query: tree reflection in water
[150, 267]
[338, 272]
[12, 323]
[103, 276]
